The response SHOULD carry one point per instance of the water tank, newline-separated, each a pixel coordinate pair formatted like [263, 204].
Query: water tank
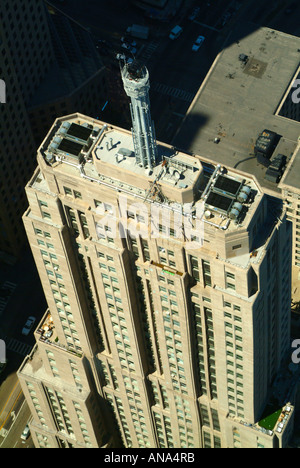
[242, 197]
[244, 194]
[49, 157]
[235, 210]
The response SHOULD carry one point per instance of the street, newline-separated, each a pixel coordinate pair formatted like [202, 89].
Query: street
[22, 295]
[18, 420]
[176, 73]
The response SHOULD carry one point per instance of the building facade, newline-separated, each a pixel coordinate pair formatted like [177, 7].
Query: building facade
[25, 57]
[264, 65]
[42, 82]
[168, 294]
[290, 190]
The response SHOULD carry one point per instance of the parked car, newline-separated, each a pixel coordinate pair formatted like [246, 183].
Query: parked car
[133, 50]
[194, 13]
[128, 41]
[25, 434]
[198, 43]
[175, 33]
[28, 325]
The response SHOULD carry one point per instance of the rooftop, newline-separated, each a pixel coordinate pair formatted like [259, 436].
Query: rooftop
[99, 152]
[81, 147]
[116, 148]
[240, 98]
[291, 175]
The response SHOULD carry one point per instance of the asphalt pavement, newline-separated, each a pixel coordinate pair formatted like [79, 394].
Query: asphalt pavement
[22, 295]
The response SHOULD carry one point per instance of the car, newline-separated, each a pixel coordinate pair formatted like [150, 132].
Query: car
[198, 43]
[25, 434]
[133, 50]
[175, 33]
[128, 41]
[28, 325]
[194, 13]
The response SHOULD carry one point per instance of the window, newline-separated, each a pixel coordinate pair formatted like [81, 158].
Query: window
[206, 273]
[145, 248]
[229, 280]
[130, 215]
[98, 204]
[195, 268]
[108, 207]
[77, 194]
[230, 275]
[67, 191]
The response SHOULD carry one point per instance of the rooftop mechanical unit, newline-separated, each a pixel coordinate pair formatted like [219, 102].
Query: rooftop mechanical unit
[71, 142]
[226, 186]
[79, 132]
[276, 168]
[70, 147]
[265, 145]
[227, 196]
[219, 203]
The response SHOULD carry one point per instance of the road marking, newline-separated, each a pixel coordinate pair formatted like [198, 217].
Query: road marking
[173, 92]
[16, 384]
[9, 414]
[178, 114]
[207, 26]
[17, 346]
[146, 52]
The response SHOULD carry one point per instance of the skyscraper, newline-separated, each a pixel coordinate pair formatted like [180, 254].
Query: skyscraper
[246, 63]
[168, 297]
[43, 78]
[25, 57]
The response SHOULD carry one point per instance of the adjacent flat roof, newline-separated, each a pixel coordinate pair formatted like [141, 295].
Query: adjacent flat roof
[237, 101]
[291, 176]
